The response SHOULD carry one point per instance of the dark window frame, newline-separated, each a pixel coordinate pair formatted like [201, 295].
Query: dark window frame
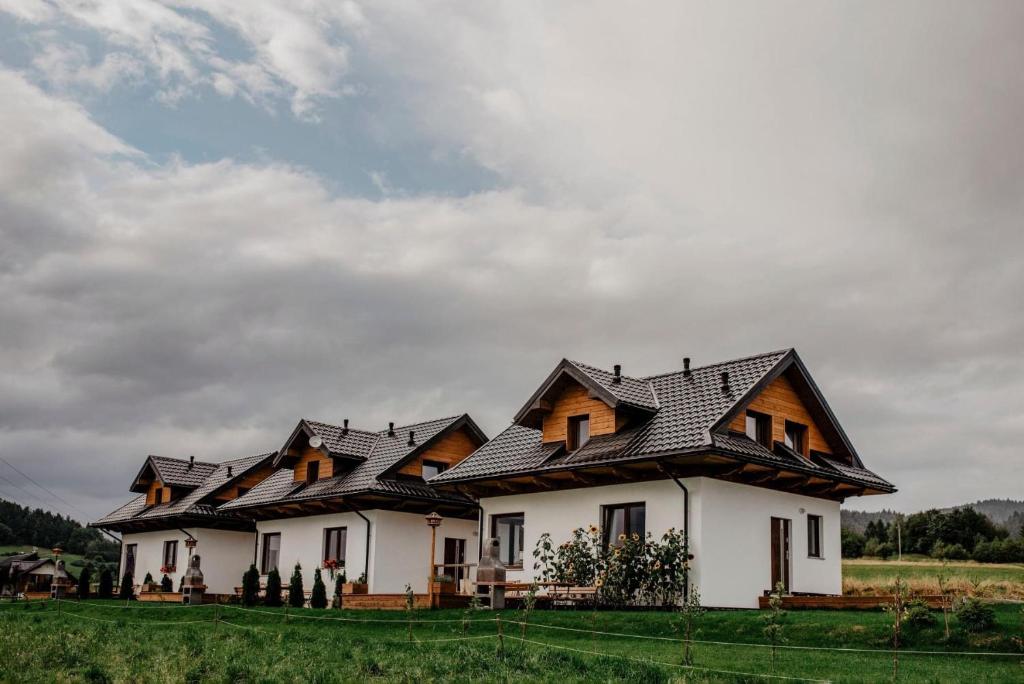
[814, 536]
[158, 495]
[495, 520]
[440, 466]
[267, 536]
[312, 471]
[340, 544]
[609, 509]
[801, 430]
[172, 546]
[762, 428]
[572, 431]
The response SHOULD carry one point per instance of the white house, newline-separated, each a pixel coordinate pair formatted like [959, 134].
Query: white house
[356, 499]
[745, 456]
[178, 501]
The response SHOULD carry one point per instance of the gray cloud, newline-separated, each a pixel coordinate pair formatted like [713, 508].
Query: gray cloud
[695, 181]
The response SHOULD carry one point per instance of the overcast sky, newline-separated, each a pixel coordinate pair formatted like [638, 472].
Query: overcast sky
[219, 217]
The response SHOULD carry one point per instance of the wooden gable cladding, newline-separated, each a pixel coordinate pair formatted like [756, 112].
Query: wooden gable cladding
[308, 455]
[452, 448]
[151, 493]
[250, 480]
[781, 401]
[574, 400]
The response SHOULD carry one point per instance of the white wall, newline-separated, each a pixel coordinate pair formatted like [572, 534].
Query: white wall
[399, 546]
[729, 531]
[225, 556]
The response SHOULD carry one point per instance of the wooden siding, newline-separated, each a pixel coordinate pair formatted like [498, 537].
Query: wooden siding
[450, 449]
[573, 401]
[248, 482]
[781, 401]
[311, 454]
[165, 494]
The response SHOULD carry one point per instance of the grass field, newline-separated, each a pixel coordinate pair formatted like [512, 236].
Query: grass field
[107, 642]
[43, 553]
[990, 580]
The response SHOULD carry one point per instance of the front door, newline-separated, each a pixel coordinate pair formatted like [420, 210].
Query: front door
[780, 553]
[455, 554]
[129, 560]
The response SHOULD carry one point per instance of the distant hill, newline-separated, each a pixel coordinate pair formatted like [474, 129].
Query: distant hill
[1006, 512]
[24, 526]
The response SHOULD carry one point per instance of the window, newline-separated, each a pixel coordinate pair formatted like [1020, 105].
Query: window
[312, 472]
[579, 432]
[158, 495]
[170, 555]
[796, 437]
[814, 536]
[334, 544]
[759, 428]
[508, 528]
[271, 552]
[623, 519]
[432, 468]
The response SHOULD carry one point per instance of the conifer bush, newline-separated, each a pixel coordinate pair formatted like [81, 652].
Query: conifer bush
[84, 578]
[296, 594]
[251, 586]
[166, 584]
[106, 584]
[127, 592]
[318, 598]
[273, 598]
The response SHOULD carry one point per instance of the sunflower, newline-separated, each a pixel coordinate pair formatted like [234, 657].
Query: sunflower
[599, 583]
[622, 537]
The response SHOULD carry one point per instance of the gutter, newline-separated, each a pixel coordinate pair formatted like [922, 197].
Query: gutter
[366, 561]
[686, 521]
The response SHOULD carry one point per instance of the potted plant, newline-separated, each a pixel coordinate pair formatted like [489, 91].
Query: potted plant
[357, 587]
[332, 566]
[148, 584]
[443, 584]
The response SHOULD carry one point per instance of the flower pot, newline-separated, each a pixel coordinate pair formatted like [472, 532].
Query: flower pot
[353, 588]
[444, 587]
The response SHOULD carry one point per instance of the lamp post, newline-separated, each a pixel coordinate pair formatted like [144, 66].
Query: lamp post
[434, 521]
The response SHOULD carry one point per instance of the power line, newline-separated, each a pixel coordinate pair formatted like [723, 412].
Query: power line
[16, 485]
[56, 496]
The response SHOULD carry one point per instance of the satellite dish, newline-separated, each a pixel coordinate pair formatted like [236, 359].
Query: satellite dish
[315, 441]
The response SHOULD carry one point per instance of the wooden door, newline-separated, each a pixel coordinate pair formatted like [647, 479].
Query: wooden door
[454, 554]
[780, 553]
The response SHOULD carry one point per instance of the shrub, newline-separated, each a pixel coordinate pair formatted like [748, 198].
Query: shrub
[127, 591]
[852, 544]
[251, 586]
[975, 616]
[166, 584]
[84, 578]
[148, 579]
[918, 614]
[106, 583]
[273, 598]
[949, 551]
[873, 547]
[296, 594]
[318, 598]
[5, 577]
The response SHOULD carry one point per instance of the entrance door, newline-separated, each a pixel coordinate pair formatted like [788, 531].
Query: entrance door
[780, 553]
[454, 554]
[129, 560]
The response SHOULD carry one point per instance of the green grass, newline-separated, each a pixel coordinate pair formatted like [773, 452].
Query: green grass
[43, 553]
[991, 580]
[107, 643]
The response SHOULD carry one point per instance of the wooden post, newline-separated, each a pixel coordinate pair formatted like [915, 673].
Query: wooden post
[501, 638]
[430, 577]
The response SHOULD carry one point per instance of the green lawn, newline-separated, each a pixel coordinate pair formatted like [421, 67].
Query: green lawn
[147, 642]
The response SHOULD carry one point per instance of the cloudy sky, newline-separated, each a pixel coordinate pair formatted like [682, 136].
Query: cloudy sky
[218, 217]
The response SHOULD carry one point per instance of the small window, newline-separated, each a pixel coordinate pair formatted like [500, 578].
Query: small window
[158, 495]
[312, 472]
[814, 536]
[579, 432]
[623, 520]
[271, 552]
[170, 555]
[432, 468]
[759, 428]
[334, 544]
[796, 437]
[508, 529]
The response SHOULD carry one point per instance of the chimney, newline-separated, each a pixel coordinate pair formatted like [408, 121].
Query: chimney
[391, 429]
[618, 374]
[412, 438]
[229, 471]
[686, 367]
[191, 462]
[725, 382]
[344, 428]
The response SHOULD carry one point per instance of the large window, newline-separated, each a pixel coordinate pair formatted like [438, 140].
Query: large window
[579, 432]
[508, 528]
[334, 544]
[312, 472]
[623, 520]
[271, 552]
[170, 555]
[432, 468]
[759, 428]
[796, 437]
[814, 536]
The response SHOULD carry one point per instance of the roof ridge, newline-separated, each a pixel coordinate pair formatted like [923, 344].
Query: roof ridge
[341, 427]
[582, 366]
[751, 357]
[183, 460]
[450, 419]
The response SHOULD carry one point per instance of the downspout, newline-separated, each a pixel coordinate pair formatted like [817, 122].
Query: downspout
[366, 561]
[686, 522]
[255, 541]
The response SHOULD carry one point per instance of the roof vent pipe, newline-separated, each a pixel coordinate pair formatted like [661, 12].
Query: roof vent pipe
[725, 382]
[686, 367]
[191, 462]
[412, 438]
[618, 374]
[391, 429]
[344, 427]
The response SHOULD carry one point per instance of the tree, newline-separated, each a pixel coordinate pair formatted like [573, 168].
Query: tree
[106, 583]
[84, 579]
[339, 581]
[852, 544]
[6, 534]
[127, 592]
[773, 620]
[296, 594]
[691, 611]
[251, 586]
[5, 576]
[273, 597]
[318, 598]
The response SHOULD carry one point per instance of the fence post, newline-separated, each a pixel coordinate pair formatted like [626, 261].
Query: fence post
[501, 639]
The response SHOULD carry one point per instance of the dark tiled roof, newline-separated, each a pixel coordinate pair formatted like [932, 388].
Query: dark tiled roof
[387, 451]
[192, 503]
[633, 391]
[687, 408]
[355, 443]
[176, 471]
